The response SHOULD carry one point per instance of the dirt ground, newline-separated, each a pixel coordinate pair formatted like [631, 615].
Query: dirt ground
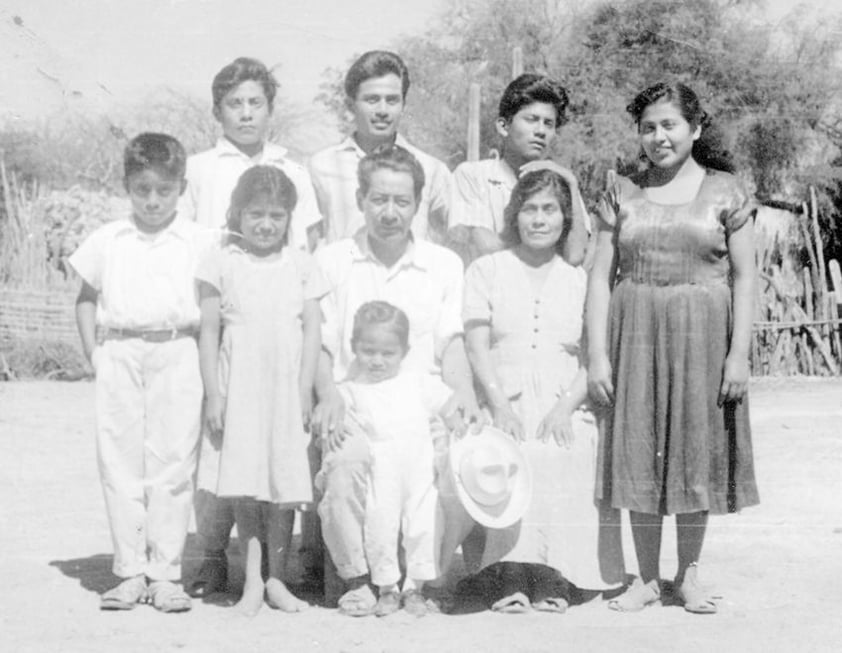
[778, 566]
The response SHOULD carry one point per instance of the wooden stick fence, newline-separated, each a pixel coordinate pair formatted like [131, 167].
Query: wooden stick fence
[797, 325]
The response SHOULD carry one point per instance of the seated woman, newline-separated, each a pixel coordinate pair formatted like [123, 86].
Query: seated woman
[523, 314]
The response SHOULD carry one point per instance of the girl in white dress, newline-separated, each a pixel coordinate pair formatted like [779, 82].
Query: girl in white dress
[263, 296]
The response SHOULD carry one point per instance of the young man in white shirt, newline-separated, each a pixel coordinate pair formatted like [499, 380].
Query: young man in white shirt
[376, 86]
[243, 101]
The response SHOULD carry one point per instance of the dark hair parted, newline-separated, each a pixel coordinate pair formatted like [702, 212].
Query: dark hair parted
[530, 88]
[390, 157]
[241, 70]
[528, 185]
[380, 313]
[161, 152]
[259, 182]
[709, 150]
[375, 63]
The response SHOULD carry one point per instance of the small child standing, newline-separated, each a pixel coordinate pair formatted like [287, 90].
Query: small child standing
[138, 290]
[263, 295]
[397, 410]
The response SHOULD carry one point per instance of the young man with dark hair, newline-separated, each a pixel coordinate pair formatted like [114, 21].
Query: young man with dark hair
[531, 111]
[375, 86]
[243, 100]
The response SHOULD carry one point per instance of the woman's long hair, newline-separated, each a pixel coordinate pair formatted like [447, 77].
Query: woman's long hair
[709, 150]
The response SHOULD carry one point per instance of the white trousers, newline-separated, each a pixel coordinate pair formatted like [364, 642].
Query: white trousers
[148, 411]
[402, 499]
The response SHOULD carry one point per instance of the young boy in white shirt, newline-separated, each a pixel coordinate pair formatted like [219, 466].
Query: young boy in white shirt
[243, 100]
[137, 315]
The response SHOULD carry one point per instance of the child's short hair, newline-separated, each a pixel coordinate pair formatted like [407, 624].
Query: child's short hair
[390, 157]
[380, 312]
[241, 70]
[530, 88]
[375, 63]
[159, 151]
[256, 182]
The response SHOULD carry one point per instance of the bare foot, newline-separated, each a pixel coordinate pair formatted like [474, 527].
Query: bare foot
[249, 604]
[280, 598]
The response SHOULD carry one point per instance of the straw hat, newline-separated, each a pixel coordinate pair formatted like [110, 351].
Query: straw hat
[491, 476]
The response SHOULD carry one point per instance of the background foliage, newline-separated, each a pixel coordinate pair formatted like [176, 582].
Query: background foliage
[773, 90]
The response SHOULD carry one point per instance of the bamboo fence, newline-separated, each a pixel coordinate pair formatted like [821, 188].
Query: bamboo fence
[797, 316]
[797, 325]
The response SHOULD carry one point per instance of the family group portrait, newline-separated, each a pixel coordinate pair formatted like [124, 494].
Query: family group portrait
[504, 325]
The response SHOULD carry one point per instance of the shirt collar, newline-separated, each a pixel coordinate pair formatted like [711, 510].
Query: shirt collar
[411, 257]
[350, 145]
[502, 173]
[179, 228]
[272, 152]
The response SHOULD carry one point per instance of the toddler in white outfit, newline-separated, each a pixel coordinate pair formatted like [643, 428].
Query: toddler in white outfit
[399, 412]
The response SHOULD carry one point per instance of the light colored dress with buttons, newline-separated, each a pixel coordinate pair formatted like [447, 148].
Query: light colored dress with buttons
[263, 452]
[535, 338]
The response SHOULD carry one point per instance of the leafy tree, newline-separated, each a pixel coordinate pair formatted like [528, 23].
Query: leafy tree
[773, 90]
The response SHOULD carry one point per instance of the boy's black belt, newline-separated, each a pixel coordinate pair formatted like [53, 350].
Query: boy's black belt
[150, 335]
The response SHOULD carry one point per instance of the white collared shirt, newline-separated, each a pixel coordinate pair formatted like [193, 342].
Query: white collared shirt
[334, 174]
[145, 281]
[426, 283]
[213, 174]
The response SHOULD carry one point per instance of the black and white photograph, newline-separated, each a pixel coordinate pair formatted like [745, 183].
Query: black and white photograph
[424, 326]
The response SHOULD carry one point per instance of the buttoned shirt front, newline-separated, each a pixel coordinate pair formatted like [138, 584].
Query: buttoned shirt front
[213, 174]
[426, 283]
[145, 281]
[334, 174]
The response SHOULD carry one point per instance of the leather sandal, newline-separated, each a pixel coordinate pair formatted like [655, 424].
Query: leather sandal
[358, 602]
[388, 603]
[551, 604]
[126, 595]
[167, 596]
[638, 596]
[694, 596]
[414, 603]
[516, 603]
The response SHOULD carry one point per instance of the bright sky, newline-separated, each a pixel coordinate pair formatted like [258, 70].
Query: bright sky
[120, 50]
[131, 46]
